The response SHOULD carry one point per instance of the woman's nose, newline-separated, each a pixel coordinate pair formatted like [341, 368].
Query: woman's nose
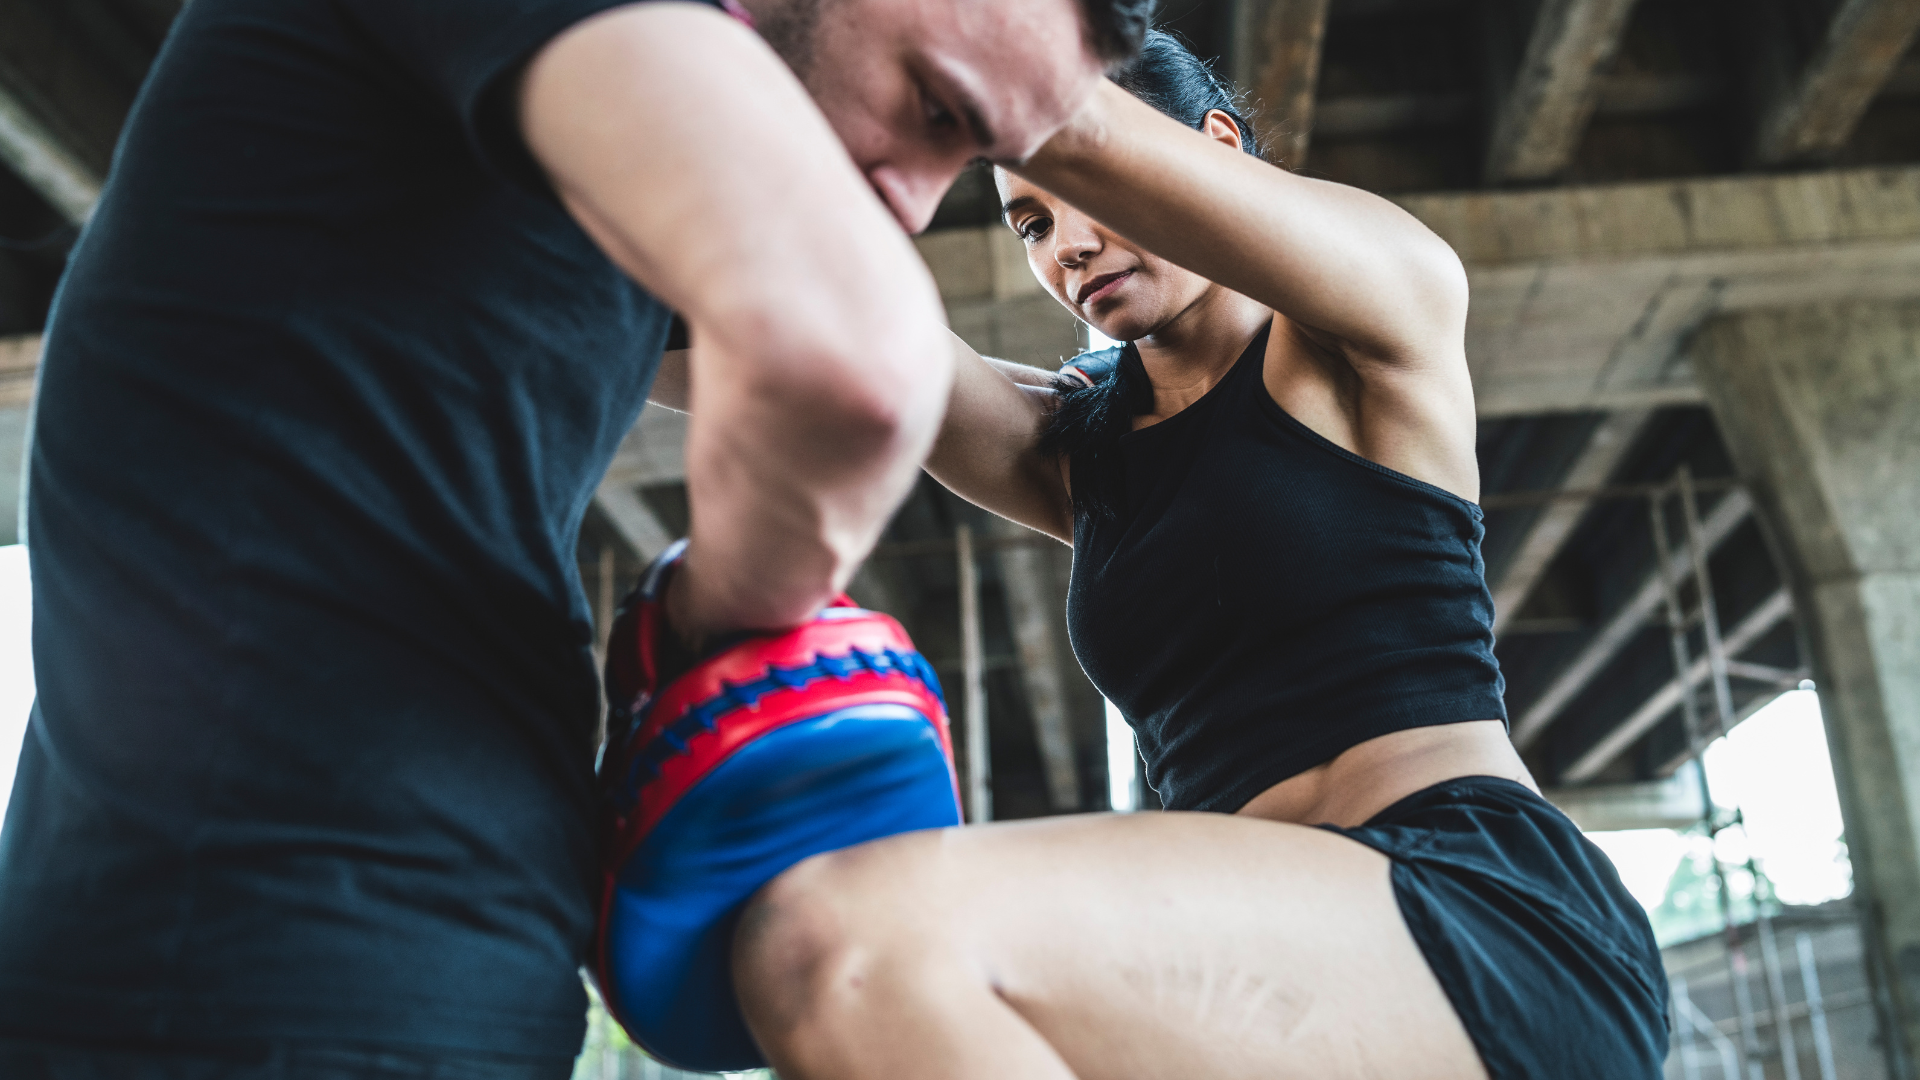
[1072, 250]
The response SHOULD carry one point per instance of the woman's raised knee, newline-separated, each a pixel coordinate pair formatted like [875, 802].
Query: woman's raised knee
[808, 941]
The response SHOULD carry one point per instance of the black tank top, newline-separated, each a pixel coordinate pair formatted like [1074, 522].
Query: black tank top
[1256, 599]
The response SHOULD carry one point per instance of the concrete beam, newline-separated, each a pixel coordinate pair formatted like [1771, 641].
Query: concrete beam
[636, 523]
[1673, 803]
[19, 369]
[51, 72]
[1820, 409]
[48, 167]
[654, 451]
[1771, 613]
[1583, 298]
[1545, 110]
[1813, 113]
[1277, 59]
[1558, 519]
[1726, 515]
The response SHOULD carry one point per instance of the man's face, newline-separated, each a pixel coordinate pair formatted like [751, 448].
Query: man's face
[916, 89]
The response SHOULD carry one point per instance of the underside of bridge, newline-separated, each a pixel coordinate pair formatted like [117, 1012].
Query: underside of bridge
[1692, 229]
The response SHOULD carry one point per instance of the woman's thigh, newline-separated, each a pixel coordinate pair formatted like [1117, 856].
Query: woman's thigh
[1166, 945]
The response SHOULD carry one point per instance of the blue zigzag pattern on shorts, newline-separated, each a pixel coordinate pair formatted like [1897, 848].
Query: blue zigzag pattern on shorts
[705, 716]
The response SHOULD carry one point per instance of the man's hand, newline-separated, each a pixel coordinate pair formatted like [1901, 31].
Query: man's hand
[692, 156]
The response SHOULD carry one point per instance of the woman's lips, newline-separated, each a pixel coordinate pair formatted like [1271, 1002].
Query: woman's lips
[1102, 286]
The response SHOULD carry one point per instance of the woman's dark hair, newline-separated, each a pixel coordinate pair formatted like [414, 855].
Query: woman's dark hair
[1116, 27]
[1167, 76]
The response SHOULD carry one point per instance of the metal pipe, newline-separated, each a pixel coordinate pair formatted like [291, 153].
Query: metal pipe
[1777, 996]
[1667, 570]
[973, 682]
[1729, 1055]
[1743, 1000]
[1709, 611]
[1816, 1009]
[1683, 1028]
[1773, 984]
[1620, 628]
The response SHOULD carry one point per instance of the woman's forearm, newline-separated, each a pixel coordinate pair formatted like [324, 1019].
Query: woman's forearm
[1329, 256]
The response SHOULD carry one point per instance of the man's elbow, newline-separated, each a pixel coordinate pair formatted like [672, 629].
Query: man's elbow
[881, 392]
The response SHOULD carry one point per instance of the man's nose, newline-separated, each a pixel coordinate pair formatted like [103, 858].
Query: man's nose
[912, 195]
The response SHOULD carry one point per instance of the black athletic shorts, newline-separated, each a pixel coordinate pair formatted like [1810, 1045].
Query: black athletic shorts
[31, 1059]
[1547, 958]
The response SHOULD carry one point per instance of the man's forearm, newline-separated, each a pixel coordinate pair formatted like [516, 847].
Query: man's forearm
[819, 362]
[792, 488]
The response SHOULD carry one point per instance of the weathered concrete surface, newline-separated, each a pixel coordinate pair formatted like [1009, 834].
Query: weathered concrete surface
[993, 300]
[1820, 407]
[1583, 298]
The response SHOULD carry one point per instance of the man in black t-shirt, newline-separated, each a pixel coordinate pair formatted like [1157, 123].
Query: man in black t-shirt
[374, 290]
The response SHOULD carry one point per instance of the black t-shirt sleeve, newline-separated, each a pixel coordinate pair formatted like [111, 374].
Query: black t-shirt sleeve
[467, 54]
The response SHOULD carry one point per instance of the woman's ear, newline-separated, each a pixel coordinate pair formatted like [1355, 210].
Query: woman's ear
[1221, 128]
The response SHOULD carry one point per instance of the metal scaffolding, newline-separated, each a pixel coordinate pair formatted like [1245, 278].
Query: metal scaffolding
[1675, 573]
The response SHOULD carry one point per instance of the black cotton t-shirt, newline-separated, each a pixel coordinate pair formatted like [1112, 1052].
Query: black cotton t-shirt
[327, 390]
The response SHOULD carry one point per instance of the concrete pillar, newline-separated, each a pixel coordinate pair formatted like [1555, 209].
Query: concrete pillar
[1820, 406]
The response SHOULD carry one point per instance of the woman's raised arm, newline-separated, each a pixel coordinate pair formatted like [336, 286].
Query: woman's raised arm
[1330, 257]
[987, 450]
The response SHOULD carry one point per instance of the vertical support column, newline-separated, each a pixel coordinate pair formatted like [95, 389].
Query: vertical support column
[973, 683]
[1276, 58]
[1034, 609]
[1820, 407]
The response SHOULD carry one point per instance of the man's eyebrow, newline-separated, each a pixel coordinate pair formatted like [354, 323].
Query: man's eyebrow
[1021, 203]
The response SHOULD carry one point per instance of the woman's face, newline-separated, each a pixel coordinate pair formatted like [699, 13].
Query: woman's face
[1119, 289]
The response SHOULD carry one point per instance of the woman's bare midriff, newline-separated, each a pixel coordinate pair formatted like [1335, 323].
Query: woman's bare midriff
[1368, 778]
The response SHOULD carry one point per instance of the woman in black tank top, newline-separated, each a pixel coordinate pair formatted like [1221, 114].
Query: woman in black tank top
[1270, 491]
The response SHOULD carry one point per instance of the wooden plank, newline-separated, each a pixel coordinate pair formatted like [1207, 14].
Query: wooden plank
[1812, 114]
[1282, 71]
[1545, 110]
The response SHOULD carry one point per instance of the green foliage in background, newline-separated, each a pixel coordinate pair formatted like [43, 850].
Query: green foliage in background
[1691, 907]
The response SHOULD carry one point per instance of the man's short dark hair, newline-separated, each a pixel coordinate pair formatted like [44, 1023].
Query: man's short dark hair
[1116, 28]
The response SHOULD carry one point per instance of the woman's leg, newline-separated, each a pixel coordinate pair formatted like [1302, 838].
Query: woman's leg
[1190, 946]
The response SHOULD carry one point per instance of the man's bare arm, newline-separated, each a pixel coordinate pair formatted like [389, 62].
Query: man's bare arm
[696, 161]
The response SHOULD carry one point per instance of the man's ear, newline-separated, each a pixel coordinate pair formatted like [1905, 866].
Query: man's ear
[1221, 128]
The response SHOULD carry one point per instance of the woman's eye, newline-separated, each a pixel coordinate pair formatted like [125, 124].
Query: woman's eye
[1033, 229]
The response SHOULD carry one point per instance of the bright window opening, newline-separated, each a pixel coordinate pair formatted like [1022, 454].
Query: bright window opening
[1123, 783]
